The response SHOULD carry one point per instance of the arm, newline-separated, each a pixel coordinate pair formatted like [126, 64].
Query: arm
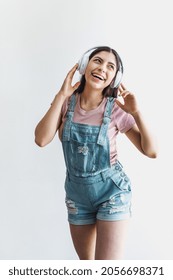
[50, 123]
[139, 134]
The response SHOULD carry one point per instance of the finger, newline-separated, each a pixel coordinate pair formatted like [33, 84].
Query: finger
[122, 86]
[76, 85]
[72, 71]
[124, 92]
[74, 68]
[119, 93]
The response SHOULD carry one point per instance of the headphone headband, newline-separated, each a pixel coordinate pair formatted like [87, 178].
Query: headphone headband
[83, 62]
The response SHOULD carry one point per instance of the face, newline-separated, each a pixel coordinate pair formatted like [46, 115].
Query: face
[101, 70]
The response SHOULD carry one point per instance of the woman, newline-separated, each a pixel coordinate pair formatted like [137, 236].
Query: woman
[88, 118]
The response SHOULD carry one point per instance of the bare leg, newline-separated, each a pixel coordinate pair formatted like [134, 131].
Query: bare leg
[84, 240]
[110, 239]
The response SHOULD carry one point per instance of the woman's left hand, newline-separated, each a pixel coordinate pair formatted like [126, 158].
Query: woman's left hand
[130, 104]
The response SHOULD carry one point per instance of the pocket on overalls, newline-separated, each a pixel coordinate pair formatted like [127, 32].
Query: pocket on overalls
[83, 156]
[121, 180]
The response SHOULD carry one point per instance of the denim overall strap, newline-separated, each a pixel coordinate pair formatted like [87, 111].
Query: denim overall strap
[69, 118]
[106, 121]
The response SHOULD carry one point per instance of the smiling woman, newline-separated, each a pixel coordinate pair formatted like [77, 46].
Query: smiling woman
[105, 57]
[88, 118]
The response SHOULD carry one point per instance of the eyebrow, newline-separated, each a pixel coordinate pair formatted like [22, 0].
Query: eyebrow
[102, 60]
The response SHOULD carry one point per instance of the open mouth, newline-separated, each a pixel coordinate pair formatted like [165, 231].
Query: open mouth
[98, 77]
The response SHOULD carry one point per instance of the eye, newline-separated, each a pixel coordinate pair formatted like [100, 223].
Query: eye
[97, 60]
[111, 67]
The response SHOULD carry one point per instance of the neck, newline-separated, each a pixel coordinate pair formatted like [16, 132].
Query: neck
[90, 98]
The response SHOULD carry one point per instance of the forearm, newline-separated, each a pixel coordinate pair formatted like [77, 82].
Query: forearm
[47, 127]
[148, 143]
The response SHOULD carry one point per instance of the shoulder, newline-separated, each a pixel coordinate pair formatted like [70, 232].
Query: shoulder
[117, 110]
[67, 102]
[122, 120]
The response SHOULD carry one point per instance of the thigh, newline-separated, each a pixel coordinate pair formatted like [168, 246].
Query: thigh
[84, 240]
[110, 239]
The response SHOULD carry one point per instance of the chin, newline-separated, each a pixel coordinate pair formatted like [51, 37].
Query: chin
[96, 86]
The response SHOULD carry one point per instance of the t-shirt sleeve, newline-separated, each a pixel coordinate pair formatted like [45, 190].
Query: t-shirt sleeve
[123, 120]
[65, 107]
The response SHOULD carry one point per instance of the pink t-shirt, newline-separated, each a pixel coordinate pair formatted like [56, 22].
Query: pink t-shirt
[120, 121]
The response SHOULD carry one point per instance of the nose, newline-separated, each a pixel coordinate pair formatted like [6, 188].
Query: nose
[102, 68]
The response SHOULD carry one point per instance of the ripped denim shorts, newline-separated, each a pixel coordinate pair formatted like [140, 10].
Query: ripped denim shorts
[105, 196]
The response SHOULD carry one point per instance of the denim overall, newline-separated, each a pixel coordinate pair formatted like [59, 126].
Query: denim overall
[94, 188]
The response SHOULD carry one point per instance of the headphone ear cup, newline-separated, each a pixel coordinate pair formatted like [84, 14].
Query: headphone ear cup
[83, 64]
[117, 79]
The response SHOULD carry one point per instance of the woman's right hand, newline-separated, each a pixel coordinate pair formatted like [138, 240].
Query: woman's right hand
[67, 89]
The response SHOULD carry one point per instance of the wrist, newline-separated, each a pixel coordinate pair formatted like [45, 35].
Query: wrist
[136, 113]
[61, 95]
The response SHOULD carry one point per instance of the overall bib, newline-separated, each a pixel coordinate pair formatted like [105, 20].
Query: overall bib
[94, 188]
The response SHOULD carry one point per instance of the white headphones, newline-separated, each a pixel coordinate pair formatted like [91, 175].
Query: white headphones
[83, 62]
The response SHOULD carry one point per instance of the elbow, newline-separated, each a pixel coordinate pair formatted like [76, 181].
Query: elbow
[152, 154]
[150, 151]
[40, 140]
[40, 143]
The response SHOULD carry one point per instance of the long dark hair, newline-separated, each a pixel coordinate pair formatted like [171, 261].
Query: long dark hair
[108, 91]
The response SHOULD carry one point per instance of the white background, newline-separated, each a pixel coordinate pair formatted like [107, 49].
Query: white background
[40, 41]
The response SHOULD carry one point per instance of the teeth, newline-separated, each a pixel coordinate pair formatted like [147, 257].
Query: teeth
[98, 77]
